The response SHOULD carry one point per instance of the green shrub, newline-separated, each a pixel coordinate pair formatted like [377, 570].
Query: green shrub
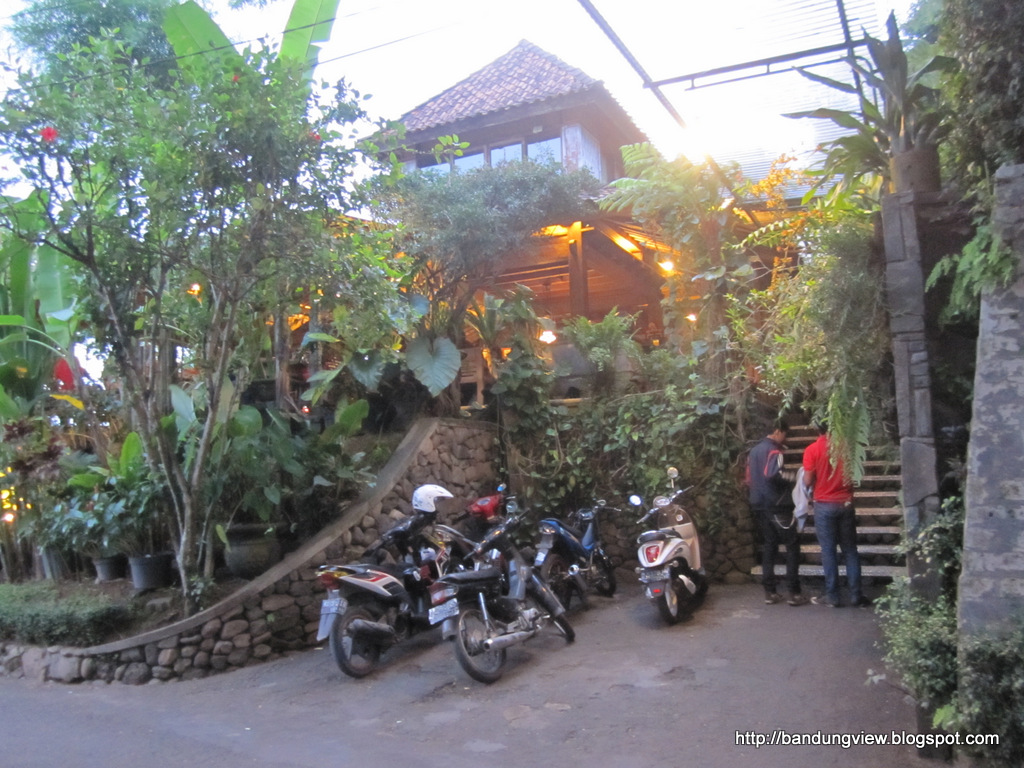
[990, 697]
[920, 643]
[39, 615]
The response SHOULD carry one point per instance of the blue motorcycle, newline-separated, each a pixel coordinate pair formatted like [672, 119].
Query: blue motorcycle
[571, 557]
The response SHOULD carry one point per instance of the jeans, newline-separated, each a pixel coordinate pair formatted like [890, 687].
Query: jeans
[837, 524]
[774, 536]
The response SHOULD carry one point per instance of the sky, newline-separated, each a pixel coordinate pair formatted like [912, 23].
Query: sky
[403, 52]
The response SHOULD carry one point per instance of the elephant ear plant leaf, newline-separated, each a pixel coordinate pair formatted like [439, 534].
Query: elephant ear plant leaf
[435, 362]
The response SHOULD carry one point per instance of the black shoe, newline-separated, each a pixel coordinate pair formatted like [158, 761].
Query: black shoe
[771, 598]
[798, 599]
[816, 600]
[862, 602]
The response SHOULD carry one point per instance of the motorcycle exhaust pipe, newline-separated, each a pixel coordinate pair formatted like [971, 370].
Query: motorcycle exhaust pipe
[375, 630]
[504, 641]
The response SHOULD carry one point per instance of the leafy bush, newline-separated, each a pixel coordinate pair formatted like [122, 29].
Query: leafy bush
[38, 614]
[921, 643]
[990, 698]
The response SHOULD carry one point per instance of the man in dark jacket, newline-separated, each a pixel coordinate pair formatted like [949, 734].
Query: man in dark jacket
[771, 500]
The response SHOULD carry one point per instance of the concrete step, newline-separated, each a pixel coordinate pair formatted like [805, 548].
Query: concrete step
[864, 549]
[866, 571]
[892, 494]
[865, 530]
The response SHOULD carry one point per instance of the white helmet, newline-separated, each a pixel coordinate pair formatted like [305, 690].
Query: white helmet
[424, 497]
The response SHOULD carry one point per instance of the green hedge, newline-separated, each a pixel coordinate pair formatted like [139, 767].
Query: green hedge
[38, 615]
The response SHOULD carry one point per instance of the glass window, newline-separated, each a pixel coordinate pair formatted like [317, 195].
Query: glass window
[507, 154]
[545, 151]
[469, 162]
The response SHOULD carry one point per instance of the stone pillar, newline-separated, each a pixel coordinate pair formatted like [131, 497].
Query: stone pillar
[904, 283]
[992, 579]
[904, 279]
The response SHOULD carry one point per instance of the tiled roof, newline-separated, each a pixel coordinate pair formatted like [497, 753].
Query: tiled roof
[524, 75]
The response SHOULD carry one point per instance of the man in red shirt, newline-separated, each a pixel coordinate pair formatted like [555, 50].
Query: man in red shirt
[835, 521]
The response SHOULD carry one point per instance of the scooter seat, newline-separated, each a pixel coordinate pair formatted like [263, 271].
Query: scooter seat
[661, 535]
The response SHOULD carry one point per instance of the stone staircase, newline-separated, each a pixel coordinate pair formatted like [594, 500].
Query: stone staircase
[879, 516]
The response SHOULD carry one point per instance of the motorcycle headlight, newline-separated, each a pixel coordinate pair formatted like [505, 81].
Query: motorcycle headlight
[547, 528]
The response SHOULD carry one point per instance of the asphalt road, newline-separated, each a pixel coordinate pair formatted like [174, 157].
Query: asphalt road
[630, 692]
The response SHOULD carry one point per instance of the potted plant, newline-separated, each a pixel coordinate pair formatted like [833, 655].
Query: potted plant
[897, 141]
[84, 524]
[128, 506]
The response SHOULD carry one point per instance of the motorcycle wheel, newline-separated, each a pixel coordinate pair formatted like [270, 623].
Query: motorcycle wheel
[555, 572]
[471, 631]
[561, 623]
[355, 656]
[564, 628]
[668, 603]
[605, 584]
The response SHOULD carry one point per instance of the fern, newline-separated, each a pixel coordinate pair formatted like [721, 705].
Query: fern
[986, 262]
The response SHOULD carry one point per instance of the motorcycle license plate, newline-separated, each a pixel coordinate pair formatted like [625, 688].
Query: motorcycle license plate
[439, 613]
[330, 609]
[654, 574]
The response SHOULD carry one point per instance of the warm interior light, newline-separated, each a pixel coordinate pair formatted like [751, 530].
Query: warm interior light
[692, 317]
[668, 266]
[548, 337]
[555, 230]
[195, 289]
[9, 517]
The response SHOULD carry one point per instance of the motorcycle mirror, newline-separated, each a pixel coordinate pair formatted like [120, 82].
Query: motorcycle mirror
[502, 488]
[635, 500]
[673, 473]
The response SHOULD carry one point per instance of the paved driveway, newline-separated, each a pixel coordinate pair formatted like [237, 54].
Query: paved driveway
[630, 692]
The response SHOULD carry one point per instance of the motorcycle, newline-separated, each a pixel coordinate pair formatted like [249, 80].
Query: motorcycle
[496, 605]
[571, 556]
[670, 563]
[375, 604]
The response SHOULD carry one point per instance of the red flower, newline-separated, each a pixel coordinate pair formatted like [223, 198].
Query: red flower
[236, 78]
[314, 136]
[49, 133]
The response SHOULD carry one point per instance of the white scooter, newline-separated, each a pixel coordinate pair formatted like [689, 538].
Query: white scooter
[670, 565]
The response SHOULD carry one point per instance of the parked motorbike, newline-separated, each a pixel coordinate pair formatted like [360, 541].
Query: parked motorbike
[497, 605]
[374, 604]
[670, 563]
[571, 556]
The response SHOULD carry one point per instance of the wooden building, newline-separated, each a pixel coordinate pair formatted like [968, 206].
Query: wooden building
[528, 104]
